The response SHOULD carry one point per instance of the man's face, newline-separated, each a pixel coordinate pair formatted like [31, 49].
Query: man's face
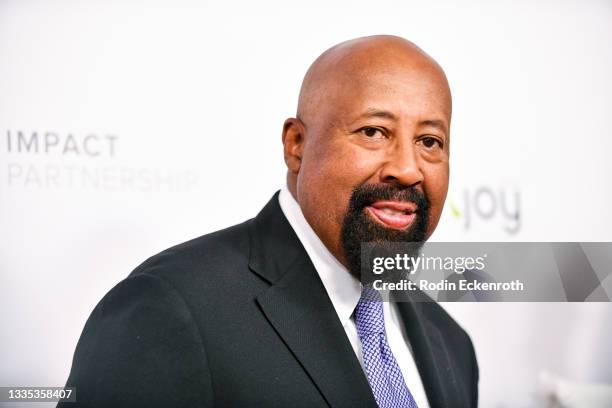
[375, 159]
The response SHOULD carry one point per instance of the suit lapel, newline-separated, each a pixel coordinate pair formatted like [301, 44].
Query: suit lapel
[430, 354]
[299, 309]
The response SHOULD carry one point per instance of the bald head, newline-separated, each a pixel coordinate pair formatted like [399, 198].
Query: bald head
[352, 63]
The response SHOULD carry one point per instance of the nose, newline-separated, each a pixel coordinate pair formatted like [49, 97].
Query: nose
[402, 166]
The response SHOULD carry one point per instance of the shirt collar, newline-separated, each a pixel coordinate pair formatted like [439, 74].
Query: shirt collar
[343, 289]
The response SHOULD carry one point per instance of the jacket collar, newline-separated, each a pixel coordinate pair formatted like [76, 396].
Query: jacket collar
[298, 307]
[432, 356]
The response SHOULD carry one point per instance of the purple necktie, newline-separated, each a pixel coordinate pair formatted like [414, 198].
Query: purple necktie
[384, 375]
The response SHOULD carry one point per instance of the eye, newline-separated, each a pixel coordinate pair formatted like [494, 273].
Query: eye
[430, 141]
[372, 132]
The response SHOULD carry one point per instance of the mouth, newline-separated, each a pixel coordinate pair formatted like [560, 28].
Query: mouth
[398, 215]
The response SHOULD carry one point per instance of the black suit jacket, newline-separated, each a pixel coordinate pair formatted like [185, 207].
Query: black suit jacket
[240, 318]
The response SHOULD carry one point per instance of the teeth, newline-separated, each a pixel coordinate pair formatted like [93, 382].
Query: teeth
[393, 211]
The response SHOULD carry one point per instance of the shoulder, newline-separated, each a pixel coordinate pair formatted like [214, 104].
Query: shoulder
[219, 252]
[149, 323]
[140, 329]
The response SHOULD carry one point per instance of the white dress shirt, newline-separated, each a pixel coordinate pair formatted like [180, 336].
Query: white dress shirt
[344, 290]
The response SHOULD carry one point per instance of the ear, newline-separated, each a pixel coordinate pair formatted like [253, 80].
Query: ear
[293, 143]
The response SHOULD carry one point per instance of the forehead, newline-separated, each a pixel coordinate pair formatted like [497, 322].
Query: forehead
[404, 91]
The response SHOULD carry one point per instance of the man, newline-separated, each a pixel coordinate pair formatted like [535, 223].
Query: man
[270, 313]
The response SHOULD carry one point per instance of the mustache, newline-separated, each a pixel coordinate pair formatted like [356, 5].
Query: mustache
[368, 194]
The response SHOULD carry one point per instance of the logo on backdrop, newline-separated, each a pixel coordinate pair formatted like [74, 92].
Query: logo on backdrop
[487, 204]
[46, 159]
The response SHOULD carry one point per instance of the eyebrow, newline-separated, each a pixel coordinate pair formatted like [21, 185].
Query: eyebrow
[437, 123]
[379, 113]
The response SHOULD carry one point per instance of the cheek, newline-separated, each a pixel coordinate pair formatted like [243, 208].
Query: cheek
[436, 187]
[329, 173]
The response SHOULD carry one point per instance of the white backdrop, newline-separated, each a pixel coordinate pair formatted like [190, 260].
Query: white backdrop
[127, 127]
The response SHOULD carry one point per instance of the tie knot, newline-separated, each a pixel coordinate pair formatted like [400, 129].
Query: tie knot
[369, 317]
